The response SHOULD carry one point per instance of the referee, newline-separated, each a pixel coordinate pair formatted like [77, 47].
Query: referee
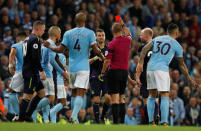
[118, 56]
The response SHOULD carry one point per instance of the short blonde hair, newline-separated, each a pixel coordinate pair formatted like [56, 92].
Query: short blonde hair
[53, 30]
[148, 31]
[116, 27]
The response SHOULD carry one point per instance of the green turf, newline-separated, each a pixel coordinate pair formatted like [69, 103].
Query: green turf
[68, 127]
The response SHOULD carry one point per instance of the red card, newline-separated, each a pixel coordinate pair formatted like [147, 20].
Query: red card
[117, 18]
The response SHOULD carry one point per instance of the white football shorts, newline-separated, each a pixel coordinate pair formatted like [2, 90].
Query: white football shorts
[49, 86]
[79, 79]
[17, 82]
[159, 80]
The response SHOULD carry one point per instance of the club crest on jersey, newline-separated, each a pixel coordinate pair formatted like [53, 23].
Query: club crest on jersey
[35, 46]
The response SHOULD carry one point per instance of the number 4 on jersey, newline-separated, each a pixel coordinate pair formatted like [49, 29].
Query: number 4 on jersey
[77, 45]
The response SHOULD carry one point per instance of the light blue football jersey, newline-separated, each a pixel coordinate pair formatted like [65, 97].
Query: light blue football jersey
[19, 55]
[79, 41]
[62, 59]
[164, 49]
[48, 61]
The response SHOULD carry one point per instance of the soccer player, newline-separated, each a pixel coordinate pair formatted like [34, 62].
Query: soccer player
[164, 48]
[118, 56]
[145, 36]
[32, 72]
[17, 83]
[61, 91]
[78, 41]
[96, 85]
[49, 60]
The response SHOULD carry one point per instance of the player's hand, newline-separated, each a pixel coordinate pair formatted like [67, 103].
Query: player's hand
[11, 70]
[133, 82]
[65, 75]
[139, 84]
[137, 77]
[45, 43]
[42, 75]
[100, 77]
[121, 21]
[139, 68]
[95, 58]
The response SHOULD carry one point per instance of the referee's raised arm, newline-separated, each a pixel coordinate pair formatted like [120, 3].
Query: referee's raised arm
[125, 30]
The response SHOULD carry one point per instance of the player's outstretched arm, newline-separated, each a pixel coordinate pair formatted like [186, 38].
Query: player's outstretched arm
[184, 71]
[145, 49]
[97, 51]
[11, 61]
[57, 49]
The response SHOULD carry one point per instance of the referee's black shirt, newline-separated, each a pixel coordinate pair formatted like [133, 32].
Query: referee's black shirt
[32, 56]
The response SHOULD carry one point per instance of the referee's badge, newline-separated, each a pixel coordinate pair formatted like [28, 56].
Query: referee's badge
[106, 53]
[35, 46]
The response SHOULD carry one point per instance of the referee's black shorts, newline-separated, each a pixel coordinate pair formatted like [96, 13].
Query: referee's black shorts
[117, 80]
[32, 84]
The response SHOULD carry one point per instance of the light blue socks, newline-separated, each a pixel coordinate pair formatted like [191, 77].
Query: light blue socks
[77, 106]
[151, 108]
[13, 100]
[54, 111]
[164, 109]
[72, 102]
[44, 104]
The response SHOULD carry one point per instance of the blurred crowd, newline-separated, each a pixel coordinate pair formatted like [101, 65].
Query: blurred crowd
[185, 102]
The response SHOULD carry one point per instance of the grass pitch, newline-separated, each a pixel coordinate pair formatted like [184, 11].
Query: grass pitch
[69, 127]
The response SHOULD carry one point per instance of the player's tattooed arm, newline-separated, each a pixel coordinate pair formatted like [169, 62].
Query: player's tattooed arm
[145, 49]
[184, 71]
[97, 51]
